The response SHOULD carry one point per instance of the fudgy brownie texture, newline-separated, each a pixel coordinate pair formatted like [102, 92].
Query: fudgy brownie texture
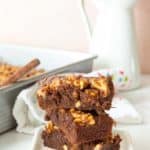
[74, 91]
[81, 127]
[76, 105]
[54, 138]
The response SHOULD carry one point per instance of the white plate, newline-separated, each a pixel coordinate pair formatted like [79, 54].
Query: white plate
[126, 144]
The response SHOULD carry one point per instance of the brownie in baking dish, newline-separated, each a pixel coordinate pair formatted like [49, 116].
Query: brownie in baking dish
[54, 138]
[74, 91]
[81, 127]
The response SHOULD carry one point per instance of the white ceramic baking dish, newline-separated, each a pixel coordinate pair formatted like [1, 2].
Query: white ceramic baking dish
[52, 60]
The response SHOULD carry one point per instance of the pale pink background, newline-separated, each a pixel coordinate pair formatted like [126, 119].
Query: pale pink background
[142, 17]
[58, 24]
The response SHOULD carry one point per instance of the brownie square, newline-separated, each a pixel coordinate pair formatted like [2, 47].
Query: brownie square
[81, 127]
[54, 138]
[72, 91]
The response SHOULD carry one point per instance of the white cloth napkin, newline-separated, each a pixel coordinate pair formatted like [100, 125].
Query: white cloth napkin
[29, 116]
[27, 113]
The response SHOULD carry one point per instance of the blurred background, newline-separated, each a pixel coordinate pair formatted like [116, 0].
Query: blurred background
[58, 24]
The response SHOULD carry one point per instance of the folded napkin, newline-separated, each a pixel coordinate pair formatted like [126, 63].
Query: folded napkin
[26, 112]
[29, 116]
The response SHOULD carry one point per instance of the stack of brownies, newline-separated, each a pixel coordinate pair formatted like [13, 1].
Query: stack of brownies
[75, 110]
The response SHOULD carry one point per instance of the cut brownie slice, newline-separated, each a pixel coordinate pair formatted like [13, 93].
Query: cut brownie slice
[81, 127]
[54, 138]
[82, 93]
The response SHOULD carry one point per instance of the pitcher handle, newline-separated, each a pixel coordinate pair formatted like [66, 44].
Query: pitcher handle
[85, 18]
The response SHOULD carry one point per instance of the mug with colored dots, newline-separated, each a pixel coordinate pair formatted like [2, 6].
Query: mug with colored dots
[121, 80]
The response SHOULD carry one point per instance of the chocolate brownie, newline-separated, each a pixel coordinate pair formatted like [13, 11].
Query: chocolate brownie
[74, 91]
[81, 127]
[54, 138]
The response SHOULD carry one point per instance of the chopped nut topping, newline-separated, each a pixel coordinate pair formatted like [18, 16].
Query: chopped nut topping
[47, 87]
[91, 92]
[42, 92]
[65, 147]
[55, 83]
[93, 86]
[82, 118]
[78, 104]
[81, 83]
[98, 147]
[101, 84]
[49, 127]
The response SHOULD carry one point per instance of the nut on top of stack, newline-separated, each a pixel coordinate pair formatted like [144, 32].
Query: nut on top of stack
[75, 110]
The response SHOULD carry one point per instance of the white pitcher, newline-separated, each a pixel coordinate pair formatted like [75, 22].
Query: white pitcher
[114, 38]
